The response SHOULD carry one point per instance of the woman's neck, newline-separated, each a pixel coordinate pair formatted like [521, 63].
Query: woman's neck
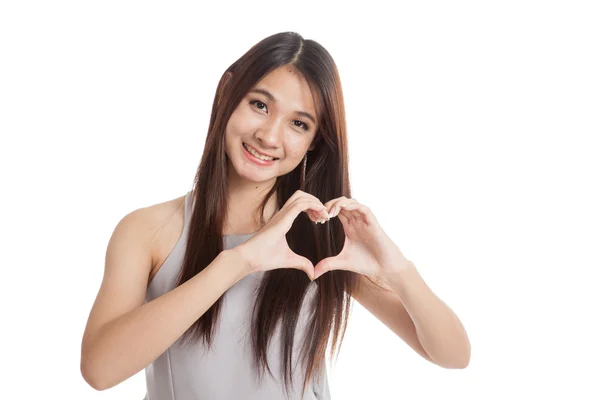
[244, 201]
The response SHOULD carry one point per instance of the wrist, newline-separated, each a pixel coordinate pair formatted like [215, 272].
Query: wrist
[393, 263]
[402, 277]
[239, 260]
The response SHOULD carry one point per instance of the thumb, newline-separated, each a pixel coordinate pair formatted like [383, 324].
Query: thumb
[302, 263]
[329, 264]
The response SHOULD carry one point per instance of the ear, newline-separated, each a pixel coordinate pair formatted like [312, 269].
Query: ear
[222, 83]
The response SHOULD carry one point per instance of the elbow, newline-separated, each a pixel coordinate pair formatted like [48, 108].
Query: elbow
[452, 365]
[91, 376]
[461, 357]
[91, 380]
[455, 361]
[460, 363]
[91, 366]
[466, 359]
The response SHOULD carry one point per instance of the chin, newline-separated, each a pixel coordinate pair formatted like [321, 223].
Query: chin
[246, 172]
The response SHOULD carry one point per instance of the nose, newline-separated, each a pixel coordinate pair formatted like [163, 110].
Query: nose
[270, 134]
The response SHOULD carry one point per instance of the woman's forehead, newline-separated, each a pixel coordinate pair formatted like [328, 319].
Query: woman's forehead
[287, 90]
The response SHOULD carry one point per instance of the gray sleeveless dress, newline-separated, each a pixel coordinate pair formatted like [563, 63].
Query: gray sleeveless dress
[192, 372]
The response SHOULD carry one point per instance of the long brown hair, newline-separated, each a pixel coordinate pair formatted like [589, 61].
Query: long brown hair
[281, 292]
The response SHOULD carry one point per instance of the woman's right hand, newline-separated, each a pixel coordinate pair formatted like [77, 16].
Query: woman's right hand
[268, 248]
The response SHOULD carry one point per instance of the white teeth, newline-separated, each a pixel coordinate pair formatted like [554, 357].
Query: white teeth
[255, 154]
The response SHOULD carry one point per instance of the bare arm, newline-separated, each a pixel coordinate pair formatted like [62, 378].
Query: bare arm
[387, 306]
[114, 348]
[410, 309]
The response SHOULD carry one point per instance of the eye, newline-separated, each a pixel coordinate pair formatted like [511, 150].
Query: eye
[253, 102]
[302, 125]
[258, 104]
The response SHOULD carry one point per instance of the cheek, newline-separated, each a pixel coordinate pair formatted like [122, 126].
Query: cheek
[297, 147]
[236, 122]
[296, 155]
[244, 120]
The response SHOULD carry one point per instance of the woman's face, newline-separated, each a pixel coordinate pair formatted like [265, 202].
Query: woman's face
[276, 118]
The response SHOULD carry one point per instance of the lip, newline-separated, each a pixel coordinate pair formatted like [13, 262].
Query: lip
[260, 152]
[255, 160]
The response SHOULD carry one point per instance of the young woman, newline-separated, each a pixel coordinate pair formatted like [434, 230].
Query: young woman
[254, 269]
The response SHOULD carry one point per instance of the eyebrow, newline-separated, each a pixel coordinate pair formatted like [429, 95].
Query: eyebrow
[271, 98]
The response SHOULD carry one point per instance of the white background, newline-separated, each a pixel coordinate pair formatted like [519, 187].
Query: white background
[473, 131]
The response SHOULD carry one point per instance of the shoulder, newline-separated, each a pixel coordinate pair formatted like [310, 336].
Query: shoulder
[153, 225]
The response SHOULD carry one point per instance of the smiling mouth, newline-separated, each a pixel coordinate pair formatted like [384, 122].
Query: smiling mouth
[257, 155]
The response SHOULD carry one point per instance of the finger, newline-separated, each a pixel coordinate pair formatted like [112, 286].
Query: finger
[299, 194]
[302, 263]
[303, 195]
[318, 217]
[315, 216]
[317, 209]
[332, 203]
[336, 208]
[288, 214]
[344, 217]
[312, 215]
[345, 214]
[351, 206]
[358, 210]
[329, 264]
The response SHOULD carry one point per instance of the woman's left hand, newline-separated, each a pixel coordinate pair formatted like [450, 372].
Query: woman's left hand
[367, 248]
